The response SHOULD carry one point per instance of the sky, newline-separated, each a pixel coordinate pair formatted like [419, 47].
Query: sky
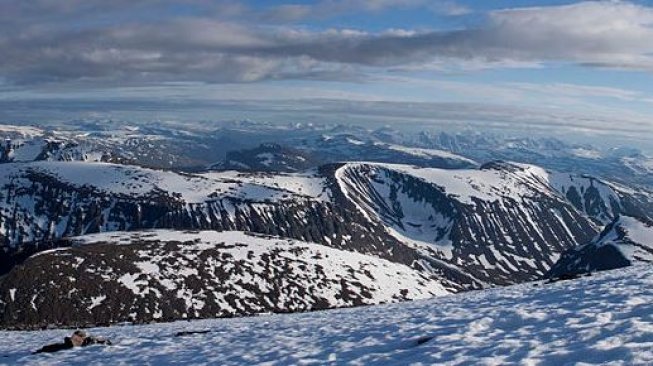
[563, 67]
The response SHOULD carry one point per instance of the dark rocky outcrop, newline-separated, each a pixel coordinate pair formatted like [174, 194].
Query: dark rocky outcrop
[624, 242]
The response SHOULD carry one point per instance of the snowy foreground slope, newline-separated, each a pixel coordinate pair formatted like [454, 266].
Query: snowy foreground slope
[604, 319]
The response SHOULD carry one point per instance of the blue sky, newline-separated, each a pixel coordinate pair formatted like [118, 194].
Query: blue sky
[581, 67]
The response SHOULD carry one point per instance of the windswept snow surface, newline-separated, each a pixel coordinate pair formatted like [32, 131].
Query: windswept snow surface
[606, 319]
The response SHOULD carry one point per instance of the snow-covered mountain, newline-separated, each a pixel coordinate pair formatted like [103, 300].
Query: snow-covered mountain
[347, 147]
[502, 223]
[471, 227]
[192, 147]
[253, 147]
[499, 224]
[602, 200]
[124, 145]
[166, 275]
[624, 242]
[622, 164]
[600, 320]
[268, 158]
[155, 146]
[44, 201]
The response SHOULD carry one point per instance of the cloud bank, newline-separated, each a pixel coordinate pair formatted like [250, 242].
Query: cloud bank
[46, 41]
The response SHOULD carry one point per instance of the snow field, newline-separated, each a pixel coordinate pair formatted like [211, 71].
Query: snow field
[606, 319]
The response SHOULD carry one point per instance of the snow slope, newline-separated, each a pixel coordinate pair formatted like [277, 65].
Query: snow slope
[308, 183]
[137, 181]
[164, 275]
[606, 319]
[599, 199]
[633, 237]
[483, 184]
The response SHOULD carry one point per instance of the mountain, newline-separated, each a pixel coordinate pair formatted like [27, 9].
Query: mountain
[310, 153]
[602, 200]
[125, 145]
[44, 201]
[625, 165]
[347, 147]
[626, 241]
[154, 145]
[268, 158]
[167, 275]
[193, 147]
[502, 223]
[498, 224]
[243, 146]
[599, 320]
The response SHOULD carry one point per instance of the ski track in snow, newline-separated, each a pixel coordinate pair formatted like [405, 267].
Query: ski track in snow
[604, 319]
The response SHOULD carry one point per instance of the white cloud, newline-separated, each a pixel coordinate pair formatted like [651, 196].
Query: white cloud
[610, 33]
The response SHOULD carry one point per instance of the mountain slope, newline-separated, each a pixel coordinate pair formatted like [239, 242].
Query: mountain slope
[268, 158]
[48, 200]
[626, 241]
[599, 320]
[168, 275]
[42, 202]
[601, 200]
[502, 223]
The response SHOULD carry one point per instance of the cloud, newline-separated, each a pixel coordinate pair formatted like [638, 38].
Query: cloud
[612, 33]
[583, 91]
[331, 8]
[450, 8]
[108, 44]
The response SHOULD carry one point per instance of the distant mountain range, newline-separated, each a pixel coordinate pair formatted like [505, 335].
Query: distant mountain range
[295, 147]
